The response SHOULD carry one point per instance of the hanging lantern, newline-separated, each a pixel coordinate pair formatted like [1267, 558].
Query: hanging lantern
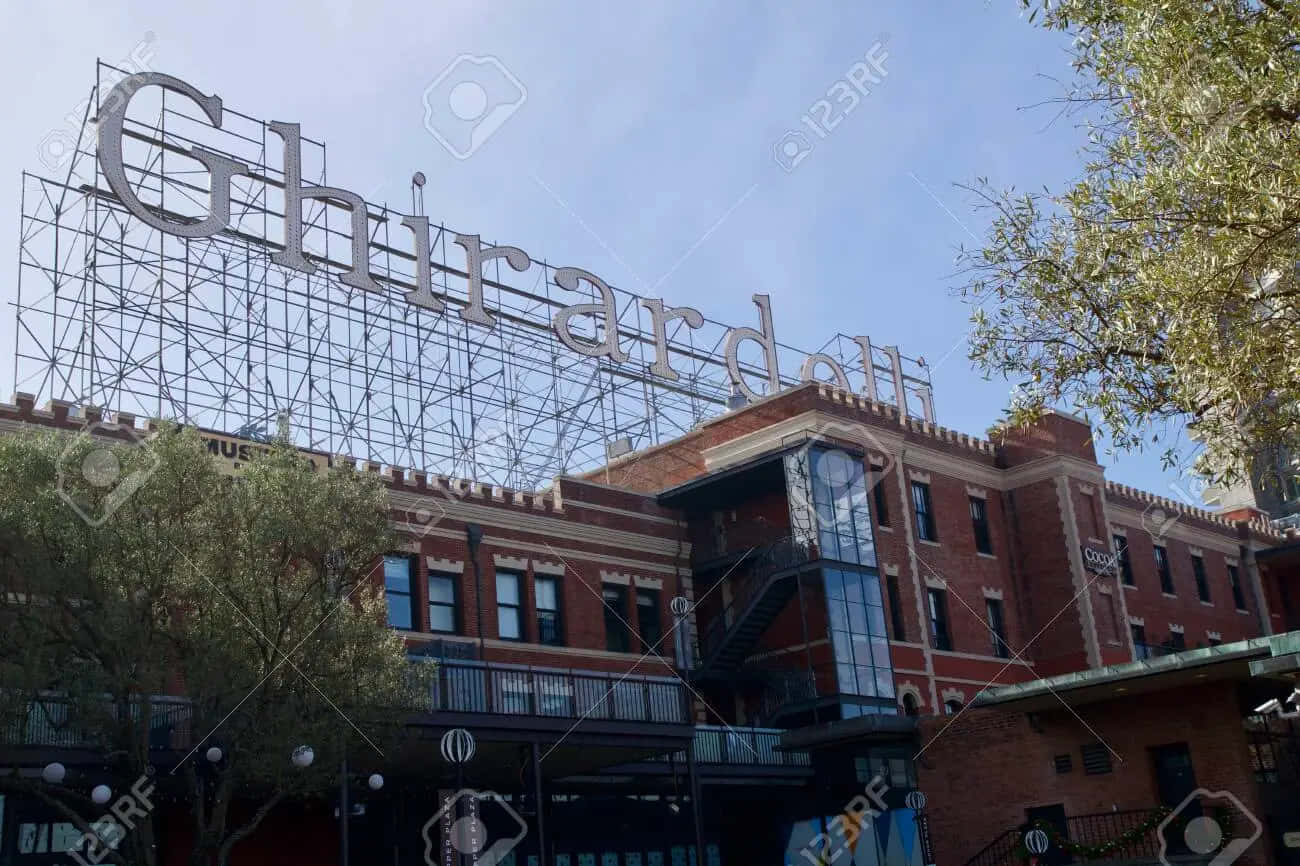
[101, 794]
[303, 756]
[457, 746]
[214, 754]
[54, 773]
[375, 781]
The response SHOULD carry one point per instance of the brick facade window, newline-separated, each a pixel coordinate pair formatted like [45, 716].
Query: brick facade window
[397, 591]
[997, 628]
[897, 625]
[1140, 648]
[550, 630]
[979, 520]
[1162, 568]
[617, 638]
[442, 602]
[1125, 562]
[878, 495]
[647, 618]
[509, 622]
[924, 510]
[938, 602]
[1234, 581]
[1202, 585]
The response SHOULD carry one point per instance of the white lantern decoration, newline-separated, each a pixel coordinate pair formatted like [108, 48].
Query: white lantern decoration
[214, 754]
[54, 773]
[375, 781]
[101, 794]
[303, 756]
[457, 746]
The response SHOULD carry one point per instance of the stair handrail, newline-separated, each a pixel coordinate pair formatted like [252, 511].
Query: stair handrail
[784, 553]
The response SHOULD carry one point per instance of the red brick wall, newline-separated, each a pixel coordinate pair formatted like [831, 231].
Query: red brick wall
[975, 796]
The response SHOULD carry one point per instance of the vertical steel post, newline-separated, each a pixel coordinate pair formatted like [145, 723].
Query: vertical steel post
[540, 803]
[344, 809]
[696, 806]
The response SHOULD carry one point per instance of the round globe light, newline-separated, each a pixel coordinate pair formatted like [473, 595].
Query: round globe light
[303, 756]
[101, 794]
[54, 773]
[214, 754]
[375, 781]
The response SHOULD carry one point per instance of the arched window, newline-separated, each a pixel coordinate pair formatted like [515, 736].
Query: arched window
[910, 706]
[952, 706]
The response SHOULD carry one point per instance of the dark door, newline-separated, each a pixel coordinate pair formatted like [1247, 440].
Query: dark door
[1175, 778]
[1054, 815]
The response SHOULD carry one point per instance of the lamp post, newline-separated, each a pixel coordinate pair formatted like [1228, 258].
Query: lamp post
[473, 536]
[457, 747]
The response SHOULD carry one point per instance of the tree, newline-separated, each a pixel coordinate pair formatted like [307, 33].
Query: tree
[1161, 288]
[200, 610]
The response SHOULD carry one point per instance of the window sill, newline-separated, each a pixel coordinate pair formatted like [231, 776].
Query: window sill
[1168, 595]
[985, 555]
[1128, 585]
[1207, 604]
[928, 542]
[1240, 610]
[883, 528]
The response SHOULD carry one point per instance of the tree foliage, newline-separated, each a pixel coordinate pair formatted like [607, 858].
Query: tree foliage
[198, 610]
[1161, 288]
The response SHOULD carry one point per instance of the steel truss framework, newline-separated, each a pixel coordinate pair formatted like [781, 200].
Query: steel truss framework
[114, 313]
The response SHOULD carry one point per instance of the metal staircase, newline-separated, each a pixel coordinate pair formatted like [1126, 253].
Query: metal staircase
[756, 600]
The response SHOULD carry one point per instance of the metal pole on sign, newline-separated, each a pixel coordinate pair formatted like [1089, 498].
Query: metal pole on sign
[343, 812]
[541, 806]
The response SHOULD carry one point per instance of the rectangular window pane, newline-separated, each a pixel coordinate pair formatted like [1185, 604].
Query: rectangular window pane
[397, 591]
[1125, 564]
[544, 588]
[616, 633]
[980, 525]
[1202, 584]
[878, 498]
[441, 590]
[508, 622]
[442, 618]
[507, 588]
[1162, 568]
[399, 610]
[397, 573]
[895, 608]
[647, 618]
[924, 514]
[1238, 597]
[938, 604]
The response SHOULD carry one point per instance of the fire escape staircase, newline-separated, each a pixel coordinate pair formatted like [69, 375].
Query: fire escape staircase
[756, 600]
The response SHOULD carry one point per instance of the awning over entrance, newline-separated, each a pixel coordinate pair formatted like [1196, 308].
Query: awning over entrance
[1241, 660]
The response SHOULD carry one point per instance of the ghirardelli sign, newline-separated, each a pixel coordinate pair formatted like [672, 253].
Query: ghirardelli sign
[599, 335]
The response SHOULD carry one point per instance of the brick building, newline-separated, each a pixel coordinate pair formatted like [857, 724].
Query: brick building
[861, 595]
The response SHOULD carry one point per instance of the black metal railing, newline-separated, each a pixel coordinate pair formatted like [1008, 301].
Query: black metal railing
[1091, 830]
[732, 746]
[55, 722]
[782, 555]
[523, 690]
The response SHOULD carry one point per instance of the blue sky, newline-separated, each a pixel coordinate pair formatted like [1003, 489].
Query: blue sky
[644, 148]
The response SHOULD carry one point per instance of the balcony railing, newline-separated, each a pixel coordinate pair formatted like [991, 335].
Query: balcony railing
[731, 746]
[1291, 521]
[522, 690]
[1092, 830]
[50, 722]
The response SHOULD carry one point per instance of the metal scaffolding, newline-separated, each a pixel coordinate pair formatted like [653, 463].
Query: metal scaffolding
[114, 313]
